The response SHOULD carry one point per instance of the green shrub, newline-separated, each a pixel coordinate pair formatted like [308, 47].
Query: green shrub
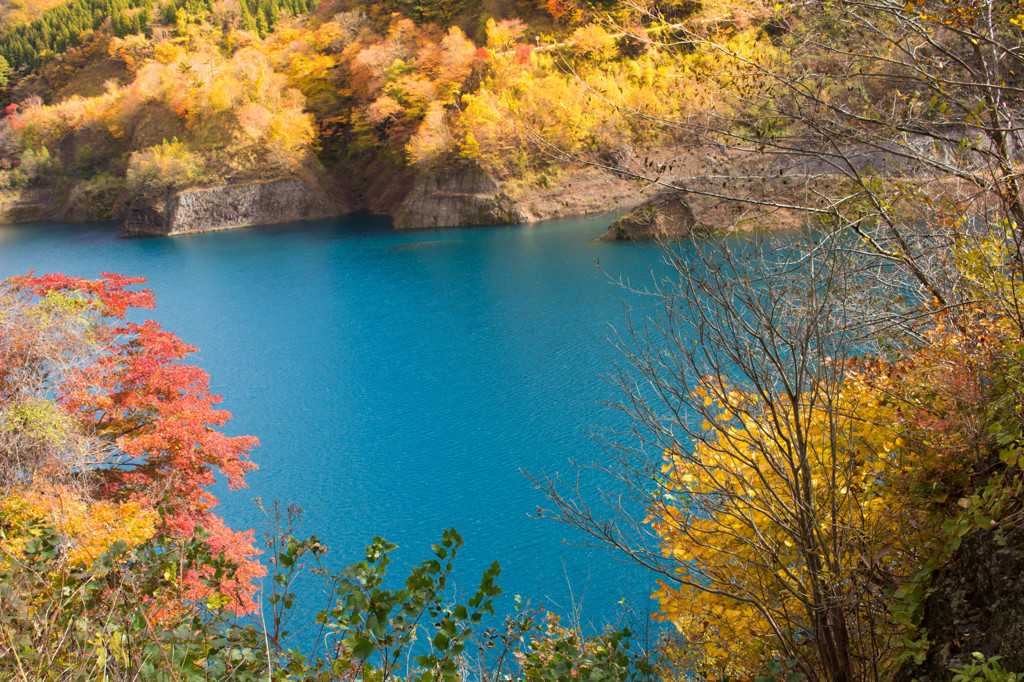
[983, 669]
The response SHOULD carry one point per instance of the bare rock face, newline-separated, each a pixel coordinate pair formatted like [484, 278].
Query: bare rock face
[225, 208]
[145, 219]
[457, 194]
[664, 218]
[976, 604]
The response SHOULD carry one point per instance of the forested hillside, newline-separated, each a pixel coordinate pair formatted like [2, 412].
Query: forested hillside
[111, 100]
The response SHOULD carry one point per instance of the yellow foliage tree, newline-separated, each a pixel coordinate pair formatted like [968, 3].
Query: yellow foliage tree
[785, 524]
[774, 468]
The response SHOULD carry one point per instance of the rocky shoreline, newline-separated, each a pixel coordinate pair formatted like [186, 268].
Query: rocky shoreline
[227, 207]
[724, 189]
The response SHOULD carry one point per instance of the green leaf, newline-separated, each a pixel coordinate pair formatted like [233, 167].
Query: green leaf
[362, 648]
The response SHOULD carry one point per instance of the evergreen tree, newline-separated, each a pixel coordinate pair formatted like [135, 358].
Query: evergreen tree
[246, 18]
[60, 28]
[170, 12]
[261, 23]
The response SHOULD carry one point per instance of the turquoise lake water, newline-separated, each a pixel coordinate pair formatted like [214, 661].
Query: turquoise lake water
[400, 382]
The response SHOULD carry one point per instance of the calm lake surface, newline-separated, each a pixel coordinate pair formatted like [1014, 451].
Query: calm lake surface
[400, 382]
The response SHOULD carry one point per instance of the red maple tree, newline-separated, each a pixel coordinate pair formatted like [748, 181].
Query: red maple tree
[126, 388]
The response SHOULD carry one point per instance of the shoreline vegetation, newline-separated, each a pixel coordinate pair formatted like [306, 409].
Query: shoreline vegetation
[824, 461]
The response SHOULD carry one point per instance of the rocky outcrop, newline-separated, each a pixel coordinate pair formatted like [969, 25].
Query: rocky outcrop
[101, 199]
[724, 194]
[665, 218]
[225, 208]
[24, 205]
[976, 604]
[457, 194]
[145, 219]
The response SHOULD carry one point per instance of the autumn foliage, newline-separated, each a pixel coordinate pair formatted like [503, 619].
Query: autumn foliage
[830, 526]
[106, 434]
[201, 93]
[793, 525]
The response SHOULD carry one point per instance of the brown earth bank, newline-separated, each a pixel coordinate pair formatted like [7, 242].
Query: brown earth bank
[727, 189]
[675, 191]
[725, 204]
[705, 188]
[458, 192]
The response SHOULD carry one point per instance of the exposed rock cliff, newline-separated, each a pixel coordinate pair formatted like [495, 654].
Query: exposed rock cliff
[78, 203]
[227, 207]
[976, 604]
[457, 194]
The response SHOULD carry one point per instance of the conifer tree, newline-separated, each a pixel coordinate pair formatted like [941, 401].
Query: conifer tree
[261, 23]
[247, 21]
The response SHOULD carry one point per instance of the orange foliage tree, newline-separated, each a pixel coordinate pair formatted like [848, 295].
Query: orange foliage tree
[561, 10]
[189, 116]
